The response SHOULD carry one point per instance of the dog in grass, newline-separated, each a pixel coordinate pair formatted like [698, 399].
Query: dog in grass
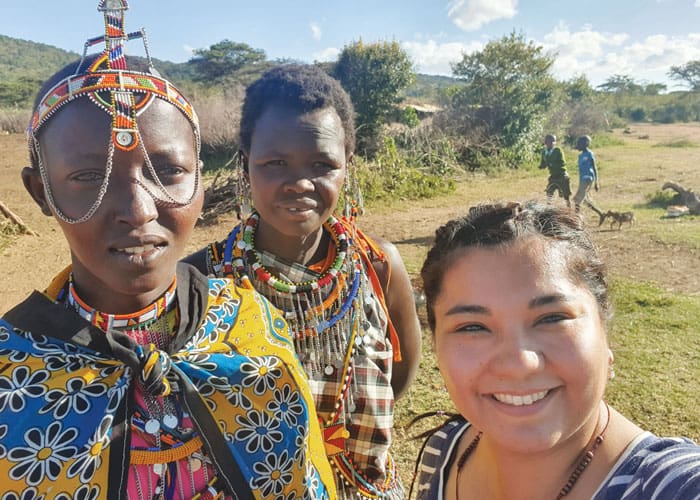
[617, 218]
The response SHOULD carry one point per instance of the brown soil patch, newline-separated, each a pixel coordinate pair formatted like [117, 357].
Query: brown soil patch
[29, 262]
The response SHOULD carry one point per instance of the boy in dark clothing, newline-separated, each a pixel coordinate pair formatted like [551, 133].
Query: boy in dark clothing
[553, 159]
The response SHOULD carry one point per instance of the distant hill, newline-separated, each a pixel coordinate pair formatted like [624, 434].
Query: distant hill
[25, 65]
[428, 88]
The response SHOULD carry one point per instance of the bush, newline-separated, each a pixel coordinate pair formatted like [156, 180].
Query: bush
[663, 199]
[219, 115]
[14, 121]
[389, 176]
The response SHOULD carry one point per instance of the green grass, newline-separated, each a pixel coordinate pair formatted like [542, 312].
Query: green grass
[656, 341]
[677, 143]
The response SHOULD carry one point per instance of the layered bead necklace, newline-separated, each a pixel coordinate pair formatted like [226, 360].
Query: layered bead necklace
[165, 448]
[326, 315]
[322, 313]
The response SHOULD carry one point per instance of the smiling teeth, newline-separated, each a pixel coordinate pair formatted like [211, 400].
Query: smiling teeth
[520, 400]
[145, 248]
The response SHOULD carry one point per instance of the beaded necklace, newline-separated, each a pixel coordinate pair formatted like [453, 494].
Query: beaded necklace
[319, 312]
[585, 460]
[105, 321]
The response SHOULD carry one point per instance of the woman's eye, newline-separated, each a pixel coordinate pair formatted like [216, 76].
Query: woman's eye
[470, 328]
[90, 176]
[275, 163]
[552, 318]
[324, 165]
[169, 171]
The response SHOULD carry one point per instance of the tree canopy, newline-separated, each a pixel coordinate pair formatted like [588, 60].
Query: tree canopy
[688, 73]
[374, 75]
[508, 84]
[224, 59]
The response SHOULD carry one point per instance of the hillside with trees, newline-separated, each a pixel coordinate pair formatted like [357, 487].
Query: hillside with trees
[416, 133]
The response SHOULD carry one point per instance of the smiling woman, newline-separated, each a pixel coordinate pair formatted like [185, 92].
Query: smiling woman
[144, 379]
[517, 301]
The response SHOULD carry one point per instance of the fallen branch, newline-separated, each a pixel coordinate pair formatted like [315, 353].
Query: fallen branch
[16, 220]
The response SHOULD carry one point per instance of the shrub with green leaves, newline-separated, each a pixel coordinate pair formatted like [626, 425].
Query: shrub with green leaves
[390, 176]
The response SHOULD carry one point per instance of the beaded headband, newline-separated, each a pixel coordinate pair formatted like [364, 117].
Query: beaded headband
[113, 88]
[109, 73]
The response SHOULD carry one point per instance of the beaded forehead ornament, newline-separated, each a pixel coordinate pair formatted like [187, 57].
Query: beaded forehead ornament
[112, 87]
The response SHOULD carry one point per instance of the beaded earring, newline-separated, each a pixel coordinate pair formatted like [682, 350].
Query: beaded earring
[354, 204]
[244, 203]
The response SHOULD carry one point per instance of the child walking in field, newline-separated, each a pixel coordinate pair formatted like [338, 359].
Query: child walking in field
[553, 159]
[587, 175]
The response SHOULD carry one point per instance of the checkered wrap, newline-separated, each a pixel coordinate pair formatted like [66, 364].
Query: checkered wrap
[371, 402]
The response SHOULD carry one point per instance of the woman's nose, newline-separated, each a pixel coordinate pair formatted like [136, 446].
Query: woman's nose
[133, 203]
[298, 183]
[517, 356]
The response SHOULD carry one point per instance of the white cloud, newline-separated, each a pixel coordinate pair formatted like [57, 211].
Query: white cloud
[471, 15]
[697, 3]
[315, 30]
[435, 58]
[328, 54]
[602, 55]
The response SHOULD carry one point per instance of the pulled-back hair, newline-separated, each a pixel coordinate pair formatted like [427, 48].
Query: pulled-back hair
[300, 87]
[490, 225]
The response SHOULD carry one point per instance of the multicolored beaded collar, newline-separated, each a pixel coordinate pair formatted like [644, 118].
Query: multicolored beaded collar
[246, 246]
[104, 321]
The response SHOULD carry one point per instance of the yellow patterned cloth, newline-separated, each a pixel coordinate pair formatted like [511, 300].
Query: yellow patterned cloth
[66, 397]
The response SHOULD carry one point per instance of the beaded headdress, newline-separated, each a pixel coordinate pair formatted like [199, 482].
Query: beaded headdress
[122, 93]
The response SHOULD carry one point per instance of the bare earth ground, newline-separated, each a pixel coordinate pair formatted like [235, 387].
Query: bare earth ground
[29, 262]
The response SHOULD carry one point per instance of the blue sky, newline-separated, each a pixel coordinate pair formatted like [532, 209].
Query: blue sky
[595, 38]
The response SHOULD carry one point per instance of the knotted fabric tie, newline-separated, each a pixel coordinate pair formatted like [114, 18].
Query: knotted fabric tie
[150, 363]
[155, 366]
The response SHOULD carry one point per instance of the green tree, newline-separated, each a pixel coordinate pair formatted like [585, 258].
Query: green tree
[688, 73]
[374, 75]
[621, 84]
[578, 88]
[224, 59]
[507, 88]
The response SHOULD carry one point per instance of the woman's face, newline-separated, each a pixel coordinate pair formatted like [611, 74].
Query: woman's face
[125, 255]
[521, 346]
[296, 165]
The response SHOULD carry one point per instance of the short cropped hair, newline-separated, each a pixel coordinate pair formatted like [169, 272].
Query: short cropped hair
[300, 87]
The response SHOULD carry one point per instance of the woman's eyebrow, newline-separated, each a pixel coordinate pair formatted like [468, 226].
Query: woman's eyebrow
[467, 308]
[548, 299]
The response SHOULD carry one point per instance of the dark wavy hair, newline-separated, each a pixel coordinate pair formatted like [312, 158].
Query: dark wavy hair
[300, 87]
[503, 223]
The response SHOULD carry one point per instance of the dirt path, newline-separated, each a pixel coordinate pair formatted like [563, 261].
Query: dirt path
[30, 261]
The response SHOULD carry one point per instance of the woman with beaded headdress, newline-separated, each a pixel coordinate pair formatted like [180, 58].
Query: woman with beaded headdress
[524, 353]
[347, 297]
[134, 375]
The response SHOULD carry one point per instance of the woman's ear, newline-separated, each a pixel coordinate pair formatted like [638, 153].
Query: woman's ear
[35, 187]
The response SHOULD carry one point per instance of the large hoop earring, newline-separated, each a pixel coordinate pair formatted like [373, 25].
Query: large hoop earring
[243, 201]
[354, 203]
